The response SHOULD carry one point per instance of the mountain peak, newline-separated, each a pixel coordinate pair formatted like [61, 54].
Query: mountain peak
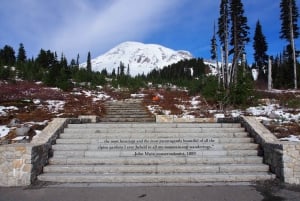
[141, 58]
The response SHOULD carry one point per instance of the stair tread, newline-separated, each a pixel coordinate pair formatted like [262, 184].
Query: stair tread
[164, 168]
[156, 178]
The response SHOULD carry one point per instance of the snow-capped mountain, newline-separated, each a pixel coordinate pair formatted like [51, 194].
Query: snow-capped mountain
[141, 58]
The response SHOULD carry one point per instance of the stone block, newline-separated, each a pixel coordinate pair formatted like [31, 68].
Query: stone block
[88, 118]
[164, 118]
[27, 168]
[18, 163]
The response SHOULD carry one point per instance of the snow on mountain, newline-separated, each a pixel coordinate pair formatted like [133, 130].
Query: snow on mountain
[141, 58]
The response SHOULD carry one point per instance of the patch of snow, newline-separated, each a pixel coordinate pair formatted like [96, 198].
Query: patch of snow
[77, 93]
[100, 96]
[43, 123]
[55, 105]
[4, 130]
[87, 93]
[4, 109]
[218, 116]
[263, 110]
[195, 102]
[181, 107]
[254, 74]
[291, 138]
[137, 95]
[36, 101]
[273, 111]
[236, 113]
[19, 138]
[186, 116]
[166, 112]
[55, 88]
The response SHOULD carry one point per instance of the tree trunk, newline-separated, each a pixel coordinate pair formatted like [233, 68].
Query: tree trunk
[270, 75]
[292, 41]
[223, 70]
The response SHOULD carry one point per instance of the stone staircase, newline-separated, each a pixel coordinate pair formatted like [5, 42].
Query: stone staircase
[130, 110]
[155, 153]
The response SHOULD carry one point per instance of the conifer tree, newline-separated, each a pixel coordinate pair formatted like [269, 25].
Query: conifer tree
[77, 60]
[239, 35]
[7, 56]
[21, 57]
[214, 54]
[289, 29]
[88, 63]
[128, 71]
[260, 48]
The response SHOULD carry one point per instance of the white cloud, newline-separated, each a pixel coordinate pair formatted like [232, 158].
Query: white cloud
[97, 28]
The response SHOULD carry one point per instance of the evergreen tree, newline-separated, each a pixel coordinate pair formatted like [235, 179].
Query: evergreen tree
[213, 43]
[122, 69]
[73, 63]
[77, 60]
[128, 71]
[289, 29]
[104, 72]
[214, 54]
[21, 57]
[88, 63]
[260, 48]
[7, 56]
[239, 35]
[113, 73]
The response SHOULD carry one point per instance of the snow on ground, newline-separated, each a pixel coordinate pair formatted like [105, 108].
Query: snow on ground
[36, 101]
[96, 95]
[291, 138]
[195, 102]
[55, 106]
[273, 111]
[4, 130]
[4, 109]
[101, 96]
[137, 95]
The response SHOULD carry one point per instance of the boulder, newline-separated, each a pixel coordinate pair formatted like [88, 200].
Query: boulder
[14, 123]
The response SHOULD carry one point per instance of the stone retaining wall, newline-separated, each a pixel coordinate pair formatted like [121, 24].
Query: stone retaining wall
[21, 163]
[282, 157]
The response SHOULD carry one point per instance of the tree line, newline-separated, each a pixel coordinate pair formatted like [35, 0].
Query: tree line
[233, 33]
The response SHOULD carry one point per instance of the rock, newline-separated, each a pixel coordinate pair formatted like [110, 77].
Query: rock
[22, 130]
[14, 123]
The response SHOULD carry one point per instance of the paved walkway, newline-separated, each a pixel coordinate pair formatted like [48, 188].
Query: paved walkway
[260, 192]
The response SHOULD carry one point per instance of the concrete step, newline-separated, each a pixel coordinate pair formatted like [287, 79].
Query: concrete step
[134, 135]
[156, 169]
[128, 119]
[154, 130]
[137, 108]
[126, 115]
[155, 125]
[154, 153]
[158, 153]
[205, 160]
[154, 146]
[155, 178]
[126, 141]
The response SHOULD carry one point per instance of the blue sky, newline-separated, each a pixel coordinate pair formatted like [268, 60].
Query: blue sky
[79, 26]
